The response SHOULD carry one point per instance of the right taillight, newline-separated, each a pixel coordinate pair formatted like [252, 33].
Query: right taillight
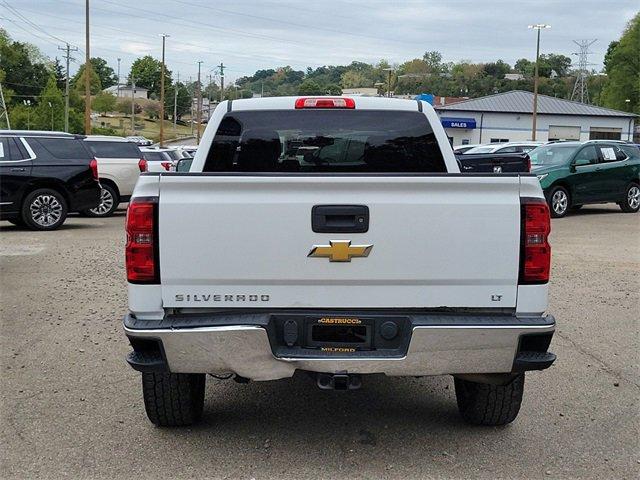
[535, 251]
[93, 164]
[142, 165]
[141, 251]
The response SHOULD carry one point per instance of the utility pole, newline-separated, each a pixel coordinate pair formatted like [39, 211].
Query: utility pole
[87, 75]
[221, 67]
[389, 70]
[537, 27]
[51, 108]
[164, 37]
[3, 109]
[175, 102]
[67, 57]
[118, 87]
[191, 103]
[199, 105]
[133, 106]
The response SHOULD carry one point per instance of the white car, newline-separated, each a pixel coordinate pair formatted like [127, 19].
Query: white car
[505, 147]
[358, 249]
[161, 159]
[119, 165]
[464, 148]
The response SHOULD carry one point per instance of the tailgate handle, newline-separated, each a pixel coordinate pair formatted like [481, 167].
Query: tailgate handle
[340, 218]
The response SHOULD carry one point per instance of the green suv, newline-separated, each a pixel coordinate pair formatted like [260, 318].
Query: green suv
[573, 174]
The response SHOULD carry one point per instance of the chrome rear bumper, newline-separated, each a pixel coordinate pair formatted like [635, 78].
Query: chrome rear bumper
[433, 350]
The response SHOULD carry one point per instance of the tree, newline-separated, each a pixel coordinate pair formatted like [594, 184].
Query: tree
[49, 112]
[24, 71]
[553, 62]
[354, 79]
[95, 85]
[104, 102]
[124, 106]
[310, 87]
[146, 72]
[152, 109]
[103, 71]
[183, 103]
[496, 69]
[433, 60]
[623, 71]
[59, 73]
[525, 67]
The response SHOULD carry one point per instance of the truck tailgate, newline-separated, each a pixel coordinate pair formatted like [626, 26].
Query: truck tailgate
[437, 241]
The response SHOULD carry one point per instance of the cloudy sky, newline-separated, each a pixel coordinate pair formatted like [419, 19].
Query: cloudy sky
[253, 34]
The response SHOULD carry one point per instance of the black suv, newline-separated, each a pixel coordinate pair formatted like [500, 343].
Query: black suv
[44, 176]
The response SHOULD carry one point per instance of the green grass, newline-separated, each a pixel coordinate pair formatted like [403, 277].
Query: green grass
[144, 127]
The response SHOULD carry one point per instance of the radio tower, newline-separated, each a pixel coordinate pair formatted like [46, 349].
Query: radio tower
[580, 91]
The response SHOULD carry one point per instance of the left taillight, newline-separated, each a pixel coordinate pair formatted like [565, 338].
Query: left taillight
[142, 165]
[141, 251]
[93, 164]
[535, 251]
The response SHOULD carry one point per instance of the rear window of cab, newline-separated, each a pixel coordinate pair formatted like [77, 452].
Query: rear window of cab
[325, 141]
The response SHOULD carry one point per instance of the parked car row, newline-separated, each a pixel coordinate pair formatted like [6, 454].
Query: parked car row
[46, 175]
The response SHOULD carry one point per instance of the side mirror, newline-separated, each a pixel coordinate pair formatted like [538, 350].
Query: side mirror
[184, 164]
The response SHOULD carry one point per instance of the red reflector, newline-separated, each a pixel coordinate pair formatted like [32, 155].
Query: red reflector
[93, 164]
[142, 165]
[141, 249]
[535, 256]
[325, 102]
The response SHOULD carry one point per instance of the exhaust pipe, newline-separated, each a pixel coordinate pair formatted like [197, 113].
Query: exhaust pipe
[338, 381]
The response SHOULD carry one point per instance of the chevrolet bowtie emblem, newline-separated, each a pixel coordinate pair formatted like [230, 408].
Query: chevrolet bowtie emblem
[340, 251]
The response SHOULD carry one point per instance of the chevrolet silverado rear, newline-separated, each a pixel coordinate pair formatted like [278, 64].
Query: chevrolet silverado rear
[335, 236]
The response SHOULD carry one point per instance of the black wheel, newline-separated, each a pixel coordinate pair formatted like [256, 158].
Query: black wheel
[491, 405]
[109, 201]
[559, 202]
[631, 203]
[173, 399]
[44, 209]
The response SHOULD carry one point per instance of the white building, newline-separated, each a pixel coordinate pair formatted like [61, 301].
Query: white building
[125, 91]
[508, 117]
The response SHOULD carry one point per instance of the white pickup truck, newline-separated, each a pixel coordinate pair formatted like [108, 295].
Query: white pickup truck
[335, 236]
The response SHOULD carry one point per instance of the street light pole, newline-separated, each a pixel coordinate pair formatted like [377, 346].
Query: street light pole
[164, 36]
[87, 75]
[534, 127]
[118, 87]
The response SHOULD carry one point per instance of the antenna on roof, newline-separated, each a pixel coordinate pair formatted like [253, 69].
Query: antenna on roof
[580, 90]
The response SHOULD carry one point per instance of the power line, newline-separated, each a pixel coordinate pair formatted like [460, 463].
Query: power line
[29, 22]
[281, 21]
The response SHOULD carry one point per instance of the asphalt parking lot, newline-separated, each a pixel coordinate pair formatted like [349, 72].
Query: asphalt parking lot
[71, 407]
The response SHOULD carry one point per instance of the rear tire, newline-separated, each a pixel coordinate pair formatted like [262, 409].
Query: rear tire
[559, 202]
[109, 201]
[631, 203]
[173, 399]
[490, 405]
[44, 209]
